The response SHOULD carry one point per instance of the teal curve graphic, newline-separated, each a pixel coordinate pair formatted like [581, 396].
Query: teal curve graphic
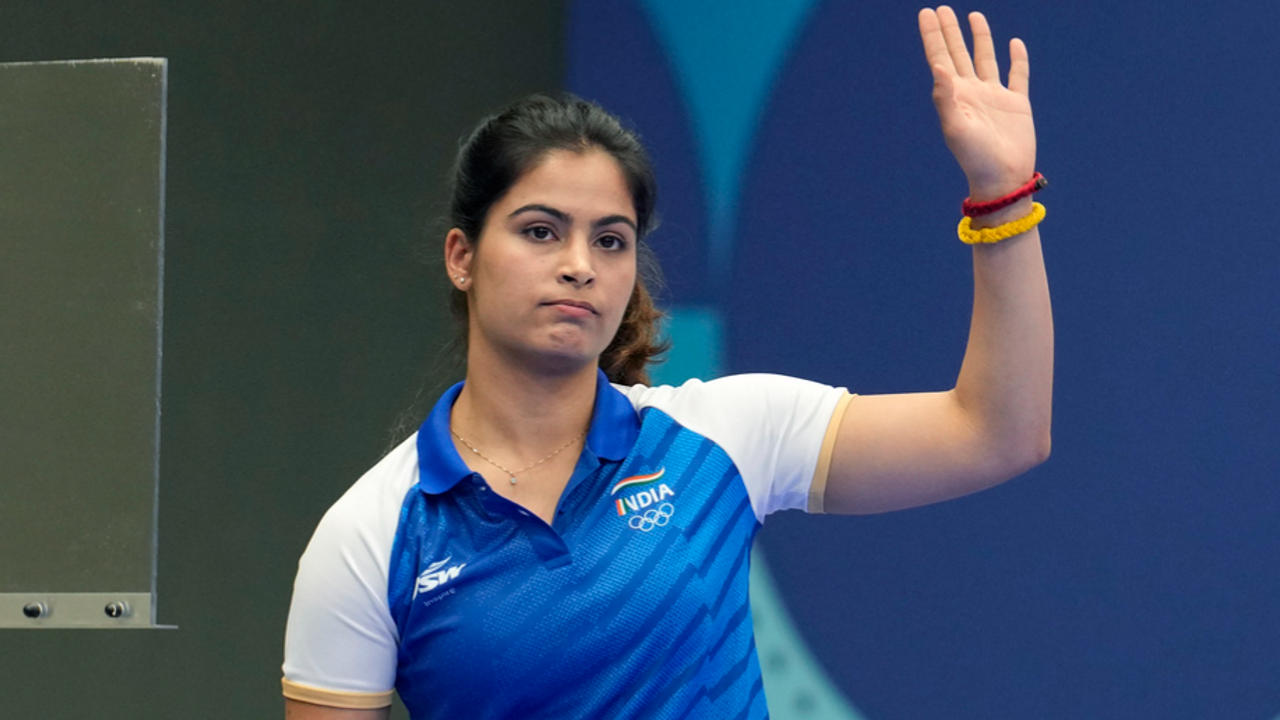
[795, 685]
[726, 56]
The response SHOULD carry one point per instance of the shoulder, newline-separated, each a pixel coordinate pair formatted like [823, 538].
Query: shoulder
[361, 525]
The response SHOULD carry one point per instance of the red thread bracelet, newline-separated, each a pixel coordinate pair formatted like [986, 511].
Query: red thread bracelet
[973, 209]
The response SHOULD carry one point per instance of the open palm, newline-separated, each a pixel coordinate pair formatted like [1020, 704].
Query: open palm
[987, 126]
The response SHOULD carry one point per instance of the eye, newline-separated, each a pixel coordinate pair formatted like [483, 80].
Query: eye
[611, 242]
[541, 233]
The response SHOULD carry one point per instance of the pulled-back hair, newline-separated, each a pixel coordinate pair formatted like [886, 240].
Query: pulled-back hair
[507, 145]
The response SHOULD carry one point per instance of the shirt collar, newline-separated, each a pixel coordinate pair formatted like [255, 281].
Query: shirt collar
[614, 427]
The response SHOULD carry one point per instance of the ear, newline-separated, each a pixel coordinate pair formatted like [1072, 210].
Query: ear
[459, 253]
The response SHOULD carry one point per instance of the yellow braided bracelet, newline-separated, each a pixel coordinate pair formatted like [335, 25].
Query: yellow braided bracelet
[986, 236]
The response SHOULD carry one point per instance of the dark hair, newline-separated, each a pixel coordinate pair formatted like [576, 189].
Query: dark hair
[507, 145]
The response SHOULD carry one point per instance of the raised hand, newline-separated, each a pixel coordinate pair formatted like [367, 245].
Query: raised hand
[987, 126]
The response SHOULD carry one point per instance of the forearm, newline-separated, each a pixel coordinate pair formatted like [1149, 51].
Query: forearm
[1005, 385]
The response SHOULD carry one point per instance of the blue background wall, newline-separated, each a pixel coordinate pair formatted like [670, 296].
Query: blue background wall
[810, 206]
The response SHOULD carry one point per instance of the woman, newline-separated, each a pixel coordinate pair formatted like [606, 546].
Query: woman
[553, 544]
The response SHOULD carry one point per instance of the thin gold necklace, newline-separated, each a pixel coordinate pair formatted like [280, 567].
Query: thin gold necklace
[512, 475]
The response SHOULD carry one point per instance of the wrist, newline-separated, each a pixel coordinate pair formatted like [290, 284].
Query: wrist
[975, 208]
[986, 192]
[1019, 209]
[997, 185]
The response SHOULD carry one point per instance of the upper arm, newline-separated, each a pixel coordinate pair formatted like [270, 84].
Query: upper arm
[903, 450]
[297, 710]
[341, 642]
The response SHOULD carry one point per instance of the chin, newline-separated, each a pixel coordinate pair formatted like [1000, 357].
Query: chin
[560, 352]
[571, 344]
[560, 358]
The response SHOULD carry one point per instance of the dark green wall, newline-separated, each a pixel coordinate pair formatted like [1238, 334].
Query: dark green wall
[308, 151]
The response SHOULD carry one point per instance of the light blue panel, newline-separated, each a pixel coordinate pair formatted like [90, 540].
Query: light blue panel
[697, 345]
[726, 55]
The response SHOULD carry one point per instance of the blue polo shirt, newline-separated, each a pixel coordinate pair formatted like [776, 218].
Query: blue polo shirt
[633, 601]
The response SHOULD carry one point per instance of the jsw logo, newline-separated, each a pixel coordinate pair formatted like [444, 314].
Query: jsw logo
[433, 577]
[643, 499]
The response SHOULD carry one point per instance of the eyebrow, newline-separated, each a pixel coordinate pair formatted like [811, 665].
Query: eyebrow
[564, 217]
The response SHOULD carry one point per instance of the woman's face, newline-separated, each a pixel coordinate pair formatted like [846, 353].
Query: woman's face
[555, 265]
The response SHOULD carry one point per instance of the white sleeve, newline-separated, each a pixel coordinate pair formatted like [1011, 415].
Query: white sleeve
[341, 642]
[778, 430]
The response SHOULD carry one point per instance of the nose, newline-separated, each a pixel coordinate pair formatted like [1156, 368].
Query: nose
[575, 263]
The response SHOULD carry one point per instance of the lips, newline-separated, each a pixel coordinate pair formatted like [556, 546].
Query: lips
[576, 306]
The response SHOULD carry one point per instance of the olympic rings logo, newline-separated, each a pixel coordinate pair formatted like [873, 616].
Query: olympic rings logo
[652, 518]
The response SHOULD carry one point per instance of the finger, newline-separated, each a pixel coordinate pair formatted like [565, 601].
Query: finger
[984, 51]
[955, 41]
[935, 47]
[1019, 67]
[943, 85]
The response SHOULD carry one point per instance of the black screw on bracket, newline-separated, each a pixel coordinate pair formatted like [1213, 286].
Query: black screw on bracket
[35, 610]
[117, 609]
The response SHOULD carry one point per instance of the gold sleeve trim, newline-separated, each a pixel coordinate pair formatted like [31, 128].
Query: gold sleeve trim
[336, 698]
[818, 488]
